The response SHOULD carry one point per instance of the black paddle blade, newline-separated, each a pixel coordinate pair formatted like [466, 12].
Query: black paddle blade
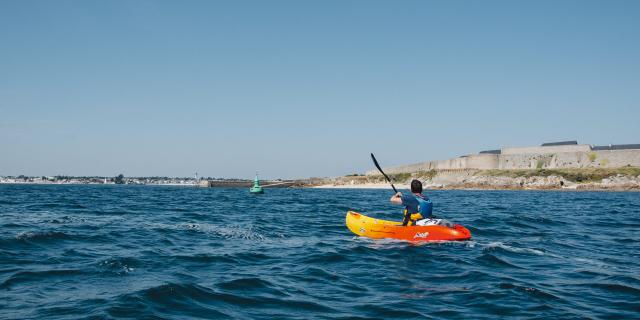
[384, 174]
[376, 163]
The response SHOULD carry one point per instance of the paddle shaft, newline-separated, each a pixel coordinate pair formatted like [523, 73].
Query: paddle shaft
[384, 174]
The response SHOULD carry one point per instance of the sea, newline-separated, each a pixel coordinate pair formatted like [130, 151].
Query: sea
[168, 252]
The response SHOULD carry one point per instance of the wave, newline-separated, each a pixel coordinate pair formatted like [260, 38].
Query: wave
[118, 266]
[531, 291]
[13, 225]
[251, 257]
[204, 258]
[325, 257]
[245, 283]
[496, 261]
[66, 220]
[494, 246]
[594, 262]
[85, 308]
[614, 288]
[385, 312]
[56, 205]
[167, 300]
[38, 276]
[253, 285]
[244, 232]
[186, 299]
[228, 232]
[41, 236]
[50, 237]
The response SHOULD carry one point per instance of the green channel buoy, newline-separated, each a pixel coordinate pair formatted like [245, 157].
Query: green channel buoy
[257, 189]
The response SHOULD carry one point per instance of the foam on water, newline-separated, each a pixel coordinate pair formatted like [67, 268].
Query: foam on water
[493, 245]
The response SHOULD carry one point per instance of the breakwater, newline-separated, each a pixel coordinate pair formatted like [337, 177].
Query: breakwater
[249, 183]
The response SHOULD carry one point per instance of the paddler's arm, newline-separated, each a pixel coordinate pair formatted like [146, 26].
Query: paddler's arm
[396, 198]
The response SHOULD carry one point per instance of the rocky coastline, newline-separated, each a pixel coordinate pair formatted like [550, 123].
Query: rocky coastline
[627, 180]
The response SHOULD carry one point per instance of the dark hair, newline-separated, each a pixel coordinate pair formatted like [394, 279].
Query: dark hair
[416, 186]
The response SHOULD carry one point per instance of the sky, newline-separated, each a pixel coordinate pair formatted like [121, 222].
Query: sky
[297, 89]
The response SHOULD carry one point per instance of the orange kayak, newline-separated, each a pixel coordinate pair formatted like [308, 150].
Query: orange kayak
[379, 229]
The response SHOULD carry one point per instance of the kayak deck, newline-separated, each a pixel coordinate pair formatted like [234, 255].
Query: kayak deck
[379, 229]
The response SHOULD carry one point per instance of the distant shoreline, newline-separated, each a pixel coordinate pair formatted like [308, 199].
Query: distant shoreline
[588, 179]
[402, 187]
[582, 179]
[370, 186]
[96, 184]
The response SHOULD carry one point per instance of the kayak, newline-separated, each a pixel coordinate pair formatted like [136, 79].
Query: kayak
[379, 229]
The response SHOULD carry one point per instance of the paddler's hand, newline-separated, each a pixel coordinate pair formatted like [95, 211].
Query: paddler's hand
[397, 198]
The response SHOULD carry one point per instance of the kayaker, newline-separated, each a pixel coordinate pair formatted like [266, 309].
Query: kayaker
[417, 206]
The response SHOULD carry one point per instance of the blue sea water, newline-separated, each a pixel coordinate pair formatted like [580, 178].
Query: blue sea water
[74, 252]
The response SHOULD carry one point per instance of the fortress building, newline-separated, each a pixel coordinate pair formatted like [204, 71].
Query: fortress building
[565, 154]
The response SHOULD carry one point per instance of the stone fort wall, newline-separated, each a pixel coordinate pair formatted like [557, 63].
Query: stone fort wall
[551, 157]
[591, 159]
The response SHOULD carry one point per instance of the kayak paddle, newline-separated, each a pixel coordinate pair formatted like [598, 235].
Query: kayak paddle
[384, 174]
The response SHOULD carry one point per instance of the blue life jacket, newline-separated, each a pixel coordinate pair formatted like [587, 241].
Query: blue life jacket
[416, 208]
[425, 208]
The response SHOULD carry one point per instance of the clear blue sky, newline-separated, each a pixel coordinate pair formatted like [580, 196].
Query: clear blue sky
[302, 88]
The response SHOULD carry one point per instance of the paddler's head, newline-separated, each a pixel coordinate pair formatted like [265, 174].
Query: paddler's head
[416, 186]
